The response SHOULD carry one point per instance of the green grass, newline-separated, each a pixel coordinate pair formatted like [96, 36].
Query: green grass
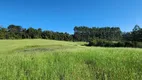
[59, 60]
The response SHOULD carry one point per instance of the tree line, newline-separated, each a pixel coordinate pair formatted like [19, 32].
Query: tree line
[17, 32]
[84, 33]
[81, 33]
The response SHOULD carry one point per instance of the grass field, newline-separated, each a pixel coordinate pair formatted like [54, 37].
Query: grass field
[59, 60]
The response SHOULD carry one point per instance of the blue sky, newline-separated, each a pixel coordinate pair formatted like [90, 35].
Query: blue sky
[63, 15]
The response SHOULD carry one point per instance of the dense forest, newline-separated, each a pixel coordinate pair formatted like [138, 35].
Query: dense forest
[81, 33]
[86, 34]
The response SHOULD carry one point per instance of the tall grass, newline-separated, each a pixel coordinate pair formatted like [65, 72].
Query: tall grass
[58, 60]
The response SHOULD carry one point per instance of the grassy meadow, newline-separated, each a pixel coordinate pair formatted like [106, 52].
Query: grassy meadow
[59, 60]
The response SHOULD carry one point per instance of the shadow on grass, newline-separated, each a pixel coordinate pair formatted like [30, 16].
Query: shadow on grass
[40, 48]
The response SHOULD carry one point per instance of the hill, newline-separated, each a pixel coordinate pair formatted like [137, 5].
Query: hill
[39, 59]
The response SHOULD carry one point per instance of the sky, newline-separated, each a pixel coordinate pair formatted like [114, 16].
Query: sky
[63, 15]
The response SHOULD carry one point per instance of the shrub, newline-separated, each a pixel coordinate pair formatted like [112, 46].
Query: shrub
[105, 43]
[139, 44]
[129, 44]
[101, 42]
[119, 44]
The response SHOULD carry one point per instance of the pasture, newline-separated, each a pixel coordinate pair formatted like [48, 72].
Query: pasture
[39, 59]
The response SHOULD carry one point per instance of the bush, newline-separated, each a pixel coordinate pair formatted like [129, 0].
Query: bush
[129, 44]
[139, 44]
[119, 44]
[100, 42]
[105, 43]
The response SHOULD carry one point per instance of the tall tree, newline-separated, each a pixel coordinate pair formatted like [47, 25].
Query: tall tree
[136, 33]
[3, 32]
